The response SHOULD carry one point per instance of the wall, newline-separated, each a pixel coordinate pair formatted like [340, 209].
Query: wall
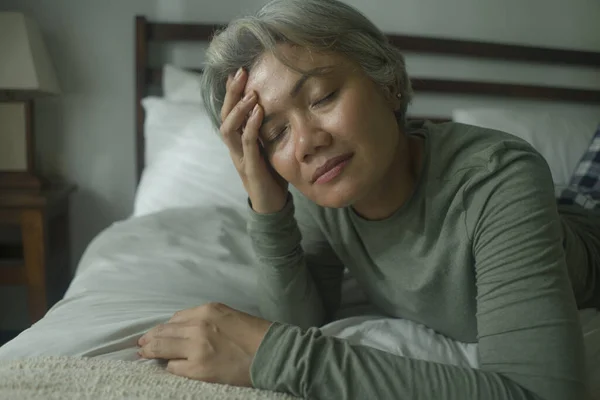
[86, 135]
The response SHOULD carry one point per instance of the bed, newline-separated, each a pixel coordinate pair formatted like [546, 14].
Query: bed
[185, 243]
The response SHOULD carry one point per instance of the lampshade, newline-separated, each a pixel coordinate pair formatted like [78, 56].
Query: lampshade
[25, 66]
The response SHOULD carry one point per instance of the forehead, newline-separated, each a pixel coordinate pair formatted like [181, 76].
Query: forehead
[270, 73]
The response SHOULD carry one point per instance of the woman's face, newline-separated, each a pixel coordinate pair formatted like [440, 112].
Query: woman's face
[332, 134]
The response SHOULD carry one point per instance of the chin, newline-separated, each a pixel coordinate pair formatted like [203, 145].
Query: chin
[337, 196]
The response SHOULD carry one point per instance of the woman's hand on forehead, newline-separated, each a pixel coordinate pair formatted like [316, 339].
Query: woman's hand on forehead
[241, 121]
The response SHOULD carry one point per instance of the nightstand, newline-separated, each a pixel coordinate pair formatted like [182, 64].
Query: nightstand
[39, 259]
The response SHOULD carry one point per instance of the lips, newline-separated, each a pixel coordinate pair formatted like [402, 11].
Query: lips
[329, 165]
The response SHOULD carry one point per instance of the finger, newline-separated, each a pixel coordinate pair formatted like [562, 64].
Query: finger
[187, 369]
[167, 348]
[183, 316]
[250, 144]
[216, 307]
[234, 90]
[199, 313]
[175, 330]
[179, 368]
[192, 313]
[228, 83]
[234, 124]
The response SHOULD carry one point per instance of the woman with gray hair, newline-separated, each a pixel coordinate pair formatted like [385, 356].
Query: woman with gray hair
[448, 225]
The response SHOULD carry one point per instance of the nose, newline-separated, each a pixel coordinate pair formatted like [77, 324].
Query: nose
[309, 138]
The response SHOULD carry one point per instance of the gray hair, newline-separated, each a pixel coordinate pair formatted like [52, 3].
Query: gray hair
[317, 25]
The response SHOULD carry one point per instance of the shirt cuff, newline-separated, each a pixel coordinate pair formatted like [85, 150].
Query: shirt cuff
[281, 346]
[275, 235]
[271, 220]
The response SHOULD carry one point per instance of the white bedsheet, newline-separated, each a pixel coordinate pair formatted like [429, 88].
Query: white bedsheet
[139, 272]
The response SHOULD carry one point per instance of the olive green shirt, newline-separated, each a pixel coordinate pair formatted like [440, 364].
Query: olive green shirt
[477, 254]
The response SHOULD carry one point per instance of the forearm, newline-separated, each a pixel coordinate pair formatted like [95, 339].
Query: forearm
[286, 290]
[309, 365]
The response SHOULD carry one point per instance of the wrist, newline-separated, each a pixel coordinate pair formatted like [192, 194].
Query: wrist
[272, 206]
[258, 334]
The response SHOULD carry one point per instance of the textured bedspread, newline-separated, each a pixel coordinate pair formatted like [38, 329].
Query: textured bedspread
[72, 378]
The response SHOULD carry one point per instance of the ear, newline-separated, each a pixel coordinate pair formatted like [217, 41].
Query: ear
[394, 97]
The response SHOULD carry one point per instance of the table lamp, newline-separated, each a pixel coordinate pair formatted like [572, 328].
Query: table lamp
[26, 73]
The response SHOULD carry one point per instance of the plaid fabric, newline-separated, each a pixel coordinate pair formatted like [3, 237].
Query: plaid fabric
[570, 196]
[584, 187]
[586, 178]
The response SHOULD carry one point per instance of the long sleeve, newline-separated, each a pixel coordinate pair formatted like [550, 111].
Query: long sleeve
[530, 341]
[529, 329]
[299, 276]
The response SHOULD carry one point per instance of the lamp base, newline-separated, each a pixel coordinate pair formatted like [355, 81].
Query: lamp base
[22, 181]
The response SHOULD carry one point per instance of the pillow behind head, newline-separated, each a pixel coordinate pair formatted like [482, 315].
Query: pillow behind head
[560, 139]
[188, 163]
[165, 121]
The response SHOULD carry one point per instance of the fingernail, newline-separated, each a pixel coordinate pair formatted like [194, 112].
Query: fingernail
[248, 96]
[255, 110]
[238, 74]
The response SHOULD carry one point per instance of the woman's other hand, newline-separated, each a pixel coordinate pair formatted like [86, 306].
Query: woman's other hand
[241, 120]
[211, 343]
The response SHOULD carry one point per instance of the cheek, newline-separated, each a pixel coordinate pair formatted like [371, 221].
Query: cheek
[350, 118]
[284, 162]
[367, 118]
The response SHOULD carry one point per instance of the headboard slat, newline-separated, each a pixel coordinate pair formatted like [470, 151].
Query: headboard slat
[498, 51]
[141, 67]
[419, 44]
[166, 32]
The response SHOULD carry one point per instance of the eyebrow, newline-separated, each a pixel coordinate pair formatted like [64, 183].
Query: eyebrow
[298, 87]
[306, 76]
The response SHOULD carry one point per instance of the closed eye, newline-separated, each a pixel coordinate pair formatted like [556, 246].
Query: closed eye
[278, 134]
[325, 99]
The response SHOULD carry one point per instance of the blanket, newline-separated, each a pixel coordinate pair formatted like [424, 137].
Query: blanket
[139, 272]
[77, 378]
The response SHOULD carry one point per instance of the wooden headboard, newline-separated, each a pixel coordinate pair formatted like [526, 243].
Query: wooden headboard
[147, 32]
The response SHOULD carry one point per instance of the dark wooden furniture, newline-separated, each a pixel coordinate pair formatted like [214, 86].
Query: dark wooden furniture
[40, 259]
[27, 179]
[149, 33]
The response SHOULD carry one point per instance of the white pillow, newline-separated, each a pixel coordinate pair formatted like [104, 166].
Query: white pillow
[560, 139]
[188, 164]
[180, 85]
[164, 121]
